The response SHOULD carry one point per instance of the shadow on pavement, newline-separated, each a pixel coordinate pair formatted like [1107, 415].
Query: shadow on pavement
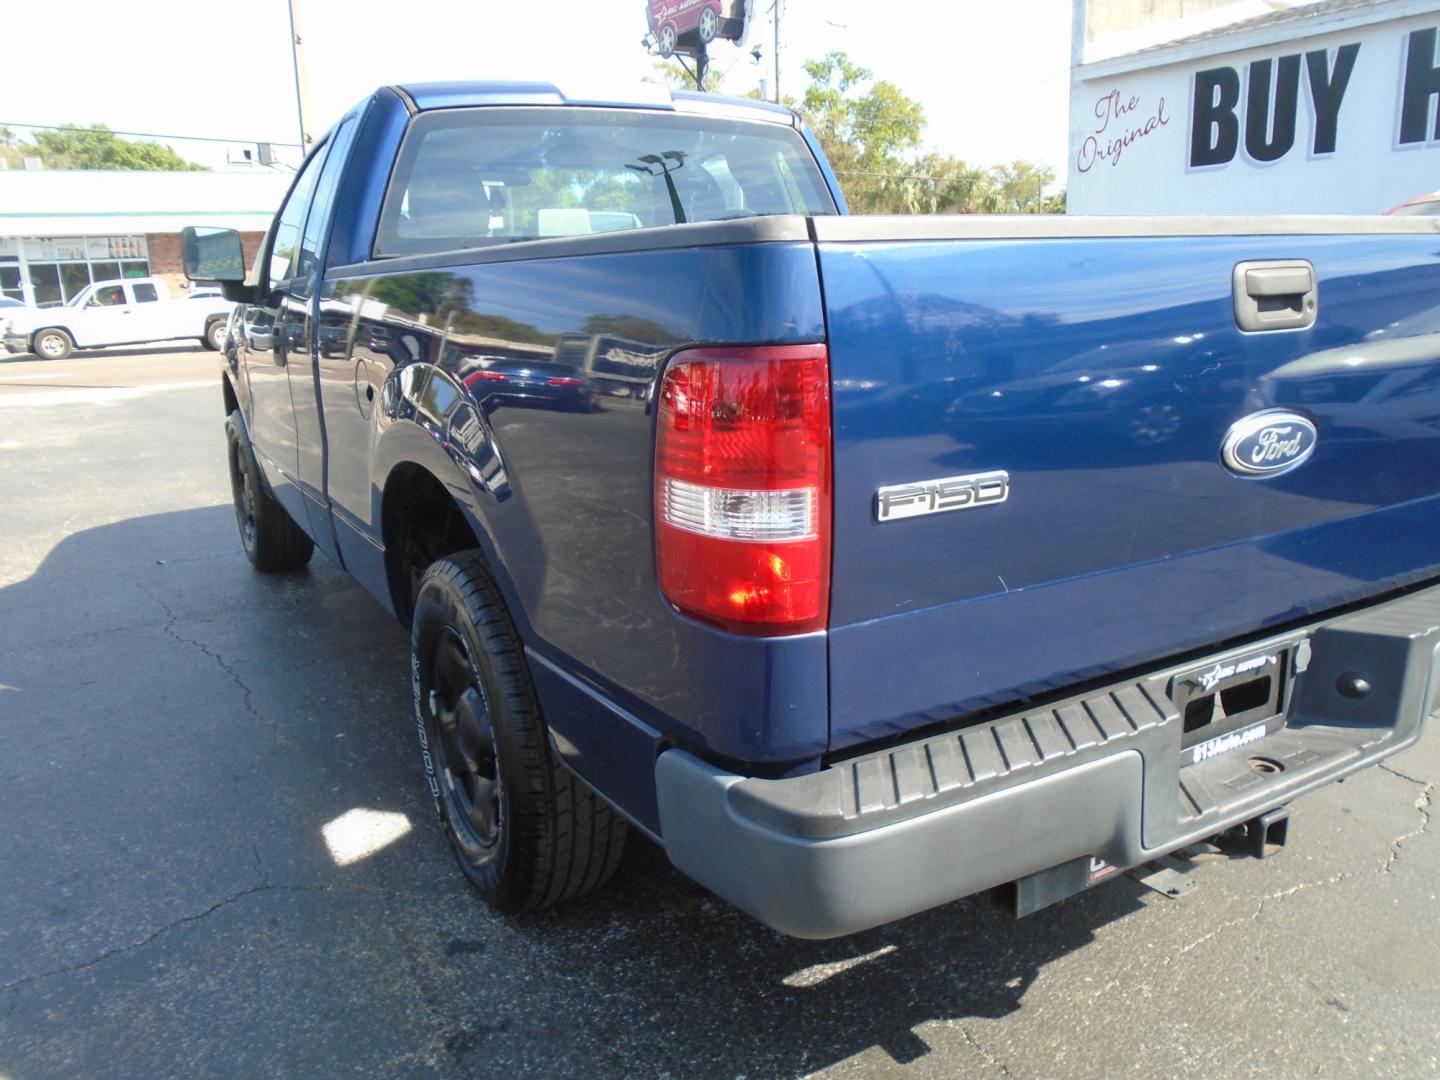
[289, 694]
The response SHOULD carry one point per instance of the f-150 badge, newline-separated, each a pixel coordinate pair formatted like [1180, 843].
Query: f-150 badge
[1268, 443]
[939, 496]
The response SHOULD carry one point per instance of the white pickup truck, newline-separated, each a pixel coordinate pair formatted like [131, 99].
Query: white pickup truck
[116, 313]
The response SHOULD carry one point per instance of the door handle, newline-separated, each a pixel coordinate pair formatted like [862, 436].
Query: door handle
[1281, 294]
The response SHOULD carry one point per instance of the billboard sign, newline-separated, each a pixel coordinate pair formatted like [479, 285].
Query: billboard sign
[688, 26]
[1340, 122]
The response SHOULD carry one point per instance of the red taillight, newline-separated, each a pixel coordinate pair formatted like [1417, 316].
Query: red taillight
[485, 376]
[564, 380]
[742, 487]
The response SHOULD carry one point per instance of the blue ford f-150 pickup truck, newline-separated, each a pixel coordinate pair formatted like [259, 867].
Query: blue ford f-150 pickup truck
[862, 563]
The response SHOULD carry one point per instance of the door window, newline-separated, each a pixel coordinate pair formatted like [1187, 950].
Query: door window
[286, 243]
[145, 293]
[108, 296]
[324, 196]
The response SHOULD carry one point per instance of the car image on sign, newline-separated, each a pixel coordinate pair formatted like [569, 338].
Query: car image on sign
[685, 25]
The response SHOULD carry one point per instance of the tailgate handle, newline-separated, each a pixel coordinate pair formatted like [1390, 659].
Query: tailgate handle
[1278, 295]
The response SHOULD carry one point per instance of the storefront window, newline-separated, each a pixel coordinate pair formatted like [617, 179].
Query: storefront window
[10, 280]
[58, 267]
[73, 278]
[45, 281]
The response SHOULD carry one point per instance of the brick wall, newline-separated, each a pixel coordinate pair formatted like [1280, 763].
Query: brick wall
[165, 256]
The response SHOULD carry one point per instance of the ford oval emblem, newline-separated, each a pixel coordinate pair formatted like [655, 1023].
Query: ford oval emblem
[1268, 443]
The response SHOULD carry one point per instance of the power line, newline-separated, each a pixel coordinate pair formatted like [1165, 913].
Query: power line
[143, 134]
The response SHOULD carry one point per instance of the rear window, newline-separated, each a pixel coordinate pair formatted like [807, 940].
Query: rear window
[474, 177]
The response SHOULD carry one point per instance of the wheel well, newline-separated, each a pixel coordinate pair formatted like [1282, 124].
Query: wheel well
[231, 401]
[420, 522]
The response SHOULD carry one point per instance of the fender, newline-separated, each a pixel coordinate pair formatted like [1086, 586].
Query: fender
[472, 479]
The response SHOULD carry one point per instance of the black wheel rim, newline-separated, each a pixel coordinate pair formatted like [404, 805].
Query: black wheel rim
[468, 757]
[244, 491]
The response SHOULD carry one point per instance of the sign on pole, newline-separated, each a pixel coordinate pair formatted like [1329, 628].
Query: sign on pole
[690, 26]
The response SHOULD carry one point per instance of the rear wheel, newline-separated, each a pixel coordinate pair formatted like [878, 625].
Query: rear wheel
[53, 344]
[709, 25]
[666, 40]
[526, 833]
[271, 539]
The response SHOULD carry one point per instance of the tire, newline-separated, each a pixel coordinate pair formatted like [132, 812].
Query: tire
[709, 25]
[526, 833]
[52, 343]
[665, 40]
[214, 336]
[270, 537]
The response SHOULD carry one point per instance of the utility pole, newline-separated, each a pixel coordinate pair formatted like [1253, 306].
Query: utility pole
[302, 85]
[778, 5]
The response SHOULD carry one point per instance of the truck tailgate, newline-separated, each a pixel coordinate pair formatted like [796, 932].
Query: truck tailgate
[1100, 365]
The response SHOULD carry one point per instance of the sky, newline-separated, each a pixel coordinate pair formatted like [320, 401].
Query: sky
[993, 77]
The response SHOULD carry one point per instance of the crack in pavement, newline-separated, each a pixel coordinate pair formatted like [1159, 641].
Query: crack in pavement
[169, 629]
[1260, 909]
[120, 950]
[1387, 767]
[986, 1054]
[1423, 803]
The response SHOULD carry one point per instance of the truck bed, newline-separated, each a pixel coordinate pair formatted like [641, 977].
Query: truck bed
[1098, 362]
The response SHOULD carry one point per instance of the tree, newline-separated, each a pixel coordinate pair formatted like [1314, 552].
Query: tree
[866, 128]
[871, 132]
[94, 147]
[1020, 187]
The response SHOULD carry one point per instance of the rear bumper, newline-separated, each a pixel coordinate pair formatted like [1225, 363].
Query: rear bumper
[1099, 781]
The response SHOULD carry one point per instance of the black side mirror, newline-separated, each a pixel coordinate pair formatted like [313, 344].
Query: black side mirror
[216, 255]
[212, 254]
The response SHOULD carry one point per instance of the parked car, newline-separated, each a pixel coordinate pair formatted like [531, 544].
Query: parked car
[550, 385]
[125, 312]
[936, 554]
[685, 23]
[1427, 205]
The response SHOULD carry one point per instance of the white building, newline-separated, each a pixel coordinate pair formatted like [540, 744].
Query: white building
[61, 229]
[1253, 106]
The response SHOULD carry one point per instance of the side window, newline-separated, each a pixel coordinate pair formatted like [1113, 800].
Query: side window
[292, 217]
[109, 296]
[145, 293]
[314, 236]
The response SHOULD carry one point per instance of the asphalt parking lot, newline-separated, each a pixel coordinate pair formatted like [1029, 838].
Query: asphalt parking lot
[188, 753]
